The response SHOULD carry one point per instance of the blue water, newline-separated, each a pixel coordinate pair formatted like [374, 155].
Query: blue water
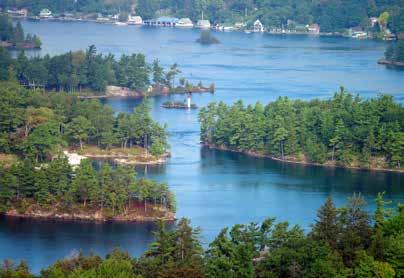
[216, 189]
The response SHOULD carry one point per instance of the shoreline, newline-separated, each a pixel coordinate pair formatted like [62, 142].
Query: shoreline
[95, 217]
[391, 63]
[304, 163]
[75, 157]
[122, 92]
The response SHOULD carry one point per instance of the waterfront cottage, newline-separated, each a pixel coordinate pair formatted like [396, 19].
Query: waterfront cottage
[18, 13]
[163, 21]
[313, 29]
[45, 14]
[135, 20]
[203, 24]
[185, 22]
[258, 27]
[357, 33]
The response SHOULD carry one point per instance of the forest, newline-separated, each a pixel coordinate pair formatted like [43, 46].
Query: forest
[85, 70]
[395, 52]
[27, 185]
[38, 125]
[331, 15]
[13, 37]
[343, 131]
[342, 242]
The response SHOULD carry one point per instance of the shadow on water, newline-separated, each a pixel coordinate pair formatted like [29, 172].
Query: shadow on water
[306, 177]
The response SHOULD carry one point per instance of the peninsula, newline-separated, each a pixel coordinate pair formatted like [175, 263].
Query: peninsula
[344, 131]
[56, 191]
[13, 37]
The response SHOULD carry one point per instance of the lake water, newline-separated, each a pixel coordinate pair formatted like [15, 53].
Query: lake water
[217, 189]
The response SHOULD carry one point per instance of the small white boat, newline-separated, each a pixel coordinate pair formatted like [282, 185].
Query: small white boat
[121, 23]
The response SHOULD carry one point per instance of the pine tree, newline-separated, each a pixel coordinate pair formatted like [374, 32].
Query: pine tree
[326, 226]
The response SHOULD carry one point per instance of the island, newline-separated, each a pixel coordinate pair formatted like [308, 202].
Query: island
[13, 37]
[55, 190]
[46, 140]
[207, 38]
[88, 75]
[344, 131]
[394, 55]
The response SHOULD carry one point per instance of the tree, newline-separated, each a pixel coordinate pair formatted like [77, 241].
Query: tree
[326, 227]
[158, 72]
[79, 129]
[85, 186]
[35, 117]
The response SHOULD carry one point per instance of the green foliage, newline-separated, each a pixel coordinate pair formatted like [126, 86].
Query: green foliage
[268, 249]
[395, 51]
[14, 34]
[344, 130]
[56, 184]
[75, 71]
[34, 124]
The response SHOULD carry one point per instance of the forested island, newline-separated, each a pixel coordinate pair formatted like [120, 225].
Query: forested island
[394, 55]
[38, 125]
[13, 37]
[342, 242]
[90, 74]
[37, 180]
[344, 131]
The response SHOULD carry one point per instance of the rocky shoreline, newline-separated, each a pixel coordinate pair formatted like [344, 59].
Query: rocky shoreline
[154, 213]
[390, 63]
[123, 92]
[75, 157]
[295, 161]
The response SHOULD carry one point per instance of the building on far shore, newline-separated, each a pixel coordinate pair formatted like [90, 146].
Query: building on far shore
[313, 29]
[45, 14]
[163, 21]
[135, 20]
[357, 33]
[203, 24]
[258, 27]
[185, 22]
[18, 13]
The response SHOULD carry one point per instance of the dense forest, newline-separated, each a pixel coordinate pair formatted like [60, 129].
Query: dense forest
[331, 15]
[13, 37]
[56, 186]
[342, 242]
[37, 125]
[75, 71]
[344, 130]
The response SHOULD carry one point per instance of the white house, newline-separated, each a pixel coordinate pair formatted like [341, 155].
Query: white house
[45, 14]
[258, 27]
[313, 29]
[203, 24]
[135, 20]
[185, 22]
[18, 13]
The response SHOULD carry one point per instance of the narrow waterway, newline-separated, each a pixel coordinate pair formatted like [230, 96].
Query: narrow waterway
[217, 189]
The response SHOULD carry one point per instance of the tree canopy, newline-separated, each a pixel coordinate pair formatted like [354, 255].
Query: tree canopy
[344, 130]
[339, 244]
